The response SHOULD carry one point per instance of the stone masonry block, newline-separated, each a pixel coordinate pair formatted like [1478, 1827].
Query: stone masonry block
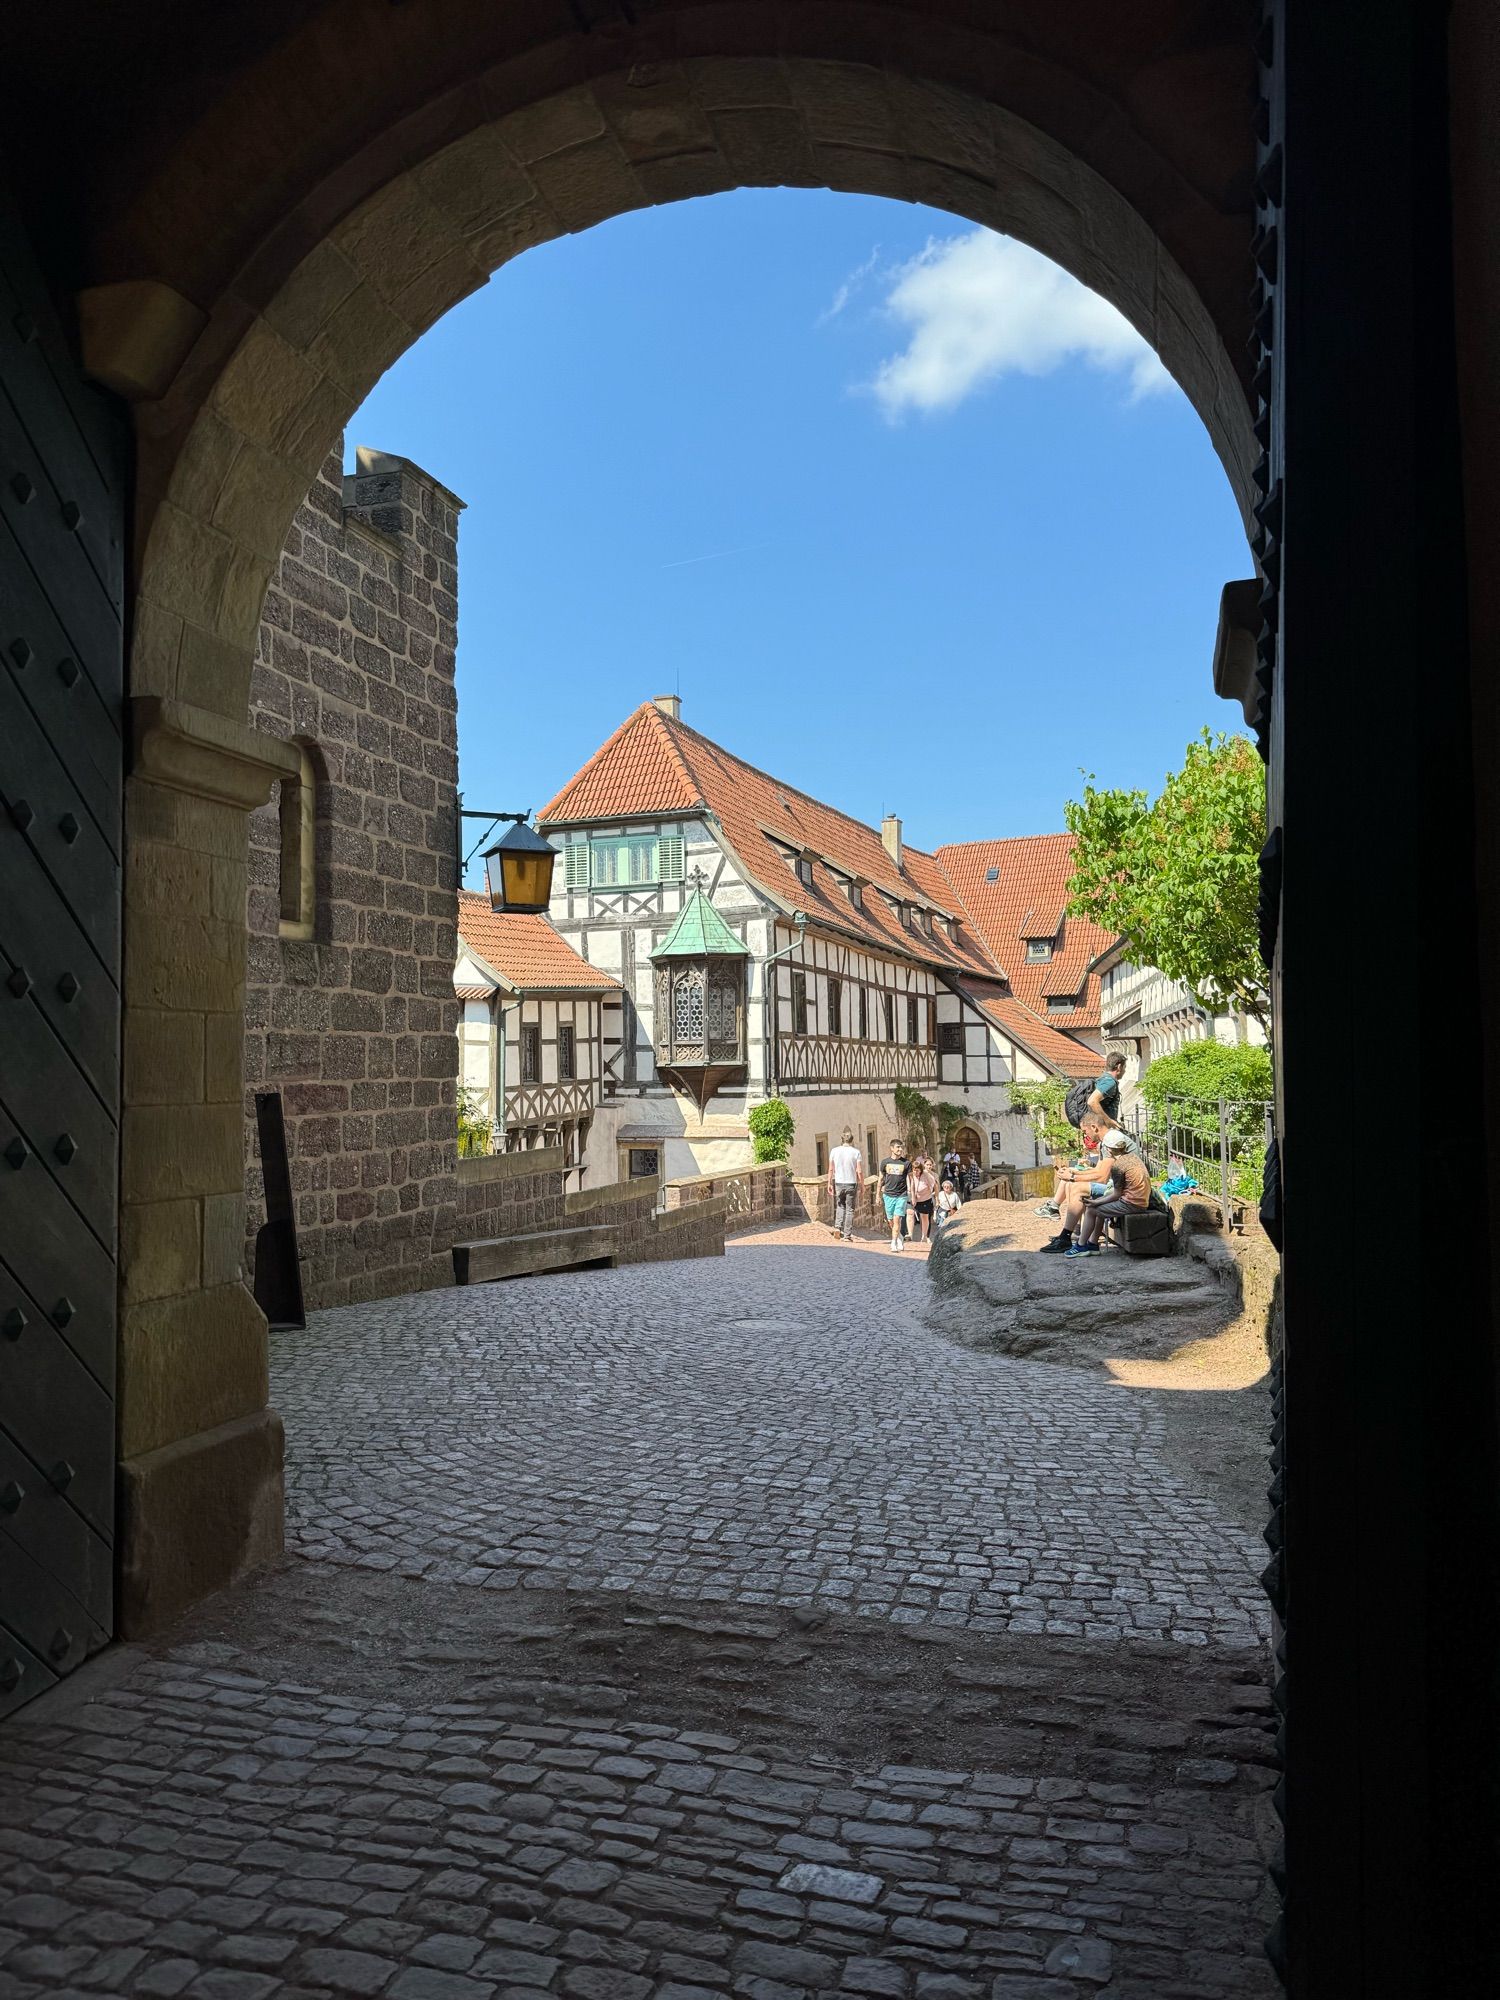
[194, 1514]
[175, 1150]
[188, 1363]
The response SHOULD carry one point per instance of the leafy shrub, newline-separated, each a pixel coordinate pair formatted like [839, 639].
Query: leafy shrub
[773, 1128]
[1194, 1078]
[1042, 1100]
[473, 1123]
[1209, 1069]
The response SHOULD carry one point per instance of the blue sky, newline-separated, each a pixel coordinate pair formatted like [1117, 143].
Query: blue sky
[908, 517]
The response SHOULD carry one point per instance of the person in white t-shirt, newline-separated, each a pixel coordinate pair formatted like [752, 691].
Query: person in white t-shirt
[846, 1176]
[948, 1203]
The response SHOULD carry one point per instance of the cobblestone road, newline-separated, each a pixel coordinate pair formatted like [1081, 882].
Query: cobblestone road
[779, 1429]
[808, 1654]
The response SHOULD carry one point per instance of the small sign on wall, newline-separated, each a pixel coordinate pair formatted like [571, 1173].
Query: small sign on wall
[996, 1142]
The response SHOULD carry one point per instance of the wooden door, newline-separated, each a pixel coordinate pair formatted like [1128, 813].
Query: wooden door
[62, 513]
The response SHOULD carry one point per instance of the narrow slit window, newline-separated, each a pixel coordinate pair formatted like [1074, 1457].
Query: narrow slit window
[298, 840]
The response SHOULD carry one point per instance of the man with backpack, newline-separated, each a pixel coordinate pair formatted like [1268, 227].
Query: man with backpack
[1104, 1098]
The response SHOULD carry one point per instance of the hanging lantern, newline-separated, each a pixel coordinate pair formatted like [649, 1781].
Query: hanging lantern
[518, 871]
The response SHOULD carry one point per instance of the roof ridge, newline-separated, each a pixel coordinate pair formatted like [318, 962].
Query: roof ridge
[850, 819]
[646, 711]
[1001, 840]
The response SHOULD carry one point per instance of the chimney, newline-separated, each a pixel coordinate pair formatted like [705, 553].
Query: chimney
[669, 704]
[890, 837]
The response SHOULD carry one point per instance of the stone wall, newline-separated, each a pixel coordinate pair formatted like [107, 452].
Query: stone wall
[356, 1023]
[752, 1196]
[510, 1194]
[518, 1194]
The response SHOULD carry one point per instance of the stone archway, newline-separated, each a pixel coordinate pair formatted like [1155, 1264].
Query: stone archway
[211, 151]
[238, 405]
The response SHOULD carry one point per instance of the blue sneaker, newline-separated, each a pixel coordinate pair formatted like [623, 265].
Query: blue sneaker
[1083, 1250]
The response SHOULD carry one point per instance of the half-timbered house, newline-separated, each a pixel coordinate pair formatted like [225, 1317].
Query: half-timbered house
[768, 945]
[530, 1032]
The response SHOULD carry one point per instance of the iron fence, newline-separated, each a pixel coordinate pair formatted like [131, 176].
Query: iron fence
[1219, 1142]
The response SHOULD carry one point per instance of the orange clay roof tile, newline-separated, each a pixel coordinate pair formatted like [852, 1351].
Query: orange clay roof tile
[526, 950]
[1039, 1037]
[1031, 888]
[653, 765]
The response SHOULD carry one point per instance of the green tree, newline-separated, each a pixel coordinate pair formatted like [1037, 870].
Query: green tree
[1176, 877]
[772, 1127]
[1043, 1099]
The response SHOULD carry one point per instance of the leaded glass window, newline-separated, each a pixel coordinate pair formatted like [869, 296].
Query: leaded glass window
[687, 1007]
[724, 1015]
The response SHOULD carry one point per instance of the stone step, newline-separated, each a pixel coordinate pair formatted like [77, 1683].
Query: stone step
[531, 1256]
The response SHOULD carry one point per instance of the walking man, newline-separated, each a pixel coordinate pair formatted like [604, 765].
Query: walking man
[1104, 1098]
[846, 1176]
[894, 1171]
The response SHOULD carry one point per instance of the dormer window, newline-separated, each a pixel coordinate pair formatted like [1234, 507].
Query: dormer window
[1038, 950]
[804, 867]
[1061, 1003]
[903, 912]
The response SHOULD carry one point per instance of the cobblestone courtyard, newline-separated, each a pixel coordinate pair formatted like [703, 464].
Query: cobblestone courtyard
[688, 1630]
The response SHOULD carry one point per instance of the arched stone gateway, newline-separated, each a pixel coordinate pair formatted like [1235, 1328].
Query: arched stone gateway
[238, 406]
[259, 207]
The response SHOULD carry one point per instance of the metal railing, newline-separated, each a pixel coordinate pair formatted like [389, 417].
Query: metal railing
[1220, 1142]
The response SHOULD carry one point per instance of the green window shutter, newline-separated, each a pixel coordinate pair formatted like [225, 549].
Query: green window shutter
[673, 857]
[577, 864]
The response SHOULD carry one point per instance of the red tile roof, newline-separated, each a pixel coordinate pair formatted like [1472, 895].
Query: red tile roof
[1030, 894]
[1039, 1038]
[655, 766]
[640, 771]
[526, 950]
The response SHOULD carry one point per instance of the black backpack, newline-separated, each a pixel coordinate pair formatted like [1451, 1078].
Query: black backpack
[1077, 1100]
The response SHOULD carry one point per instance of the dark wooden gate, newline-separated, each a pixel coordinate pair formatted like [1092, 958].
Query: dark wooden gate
[63, 462]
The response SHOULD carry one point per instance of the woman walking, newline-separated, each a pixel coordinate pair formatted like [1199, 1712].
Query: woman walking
[923, 1192]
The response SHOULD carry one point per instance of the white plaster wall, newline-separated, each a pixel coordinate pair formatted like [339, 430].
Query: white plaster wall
[474, 1028]
[720, 1144]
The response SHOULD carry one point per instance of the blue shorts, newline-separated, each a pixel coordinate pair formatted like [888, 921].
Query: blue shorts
[895, 1206]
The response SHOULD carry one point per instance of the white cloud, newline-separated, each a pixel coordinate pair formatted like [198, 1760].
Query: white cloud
[980, 306]
[850, 286]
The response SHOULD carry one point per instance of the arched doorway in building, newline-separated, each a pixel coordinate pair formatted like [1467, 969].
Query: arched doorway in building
[971, 1145]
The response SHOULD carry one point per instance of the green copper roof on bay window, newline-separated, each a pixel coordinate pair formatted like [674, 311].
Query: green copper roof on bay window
[700, 932]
